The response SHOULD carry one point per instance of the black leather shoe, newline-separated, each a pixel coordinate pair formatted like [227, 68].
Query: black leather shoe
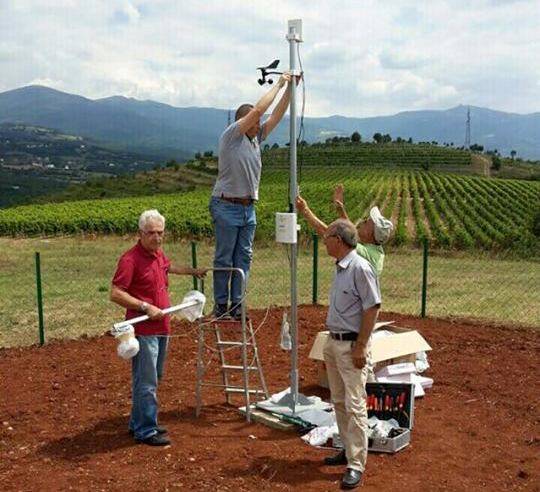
[236, 314]
[159, 429]
[155, 440]
[338, 459]
[351, 479]
[221, 311]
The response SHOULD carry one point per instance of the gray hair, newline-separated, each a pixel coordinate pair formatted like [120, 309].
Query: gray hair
[346, 231]
[149, 215]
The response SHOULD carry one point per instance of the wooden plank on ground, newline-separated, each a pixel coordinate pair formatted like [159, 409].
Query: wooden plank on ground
[268, 419]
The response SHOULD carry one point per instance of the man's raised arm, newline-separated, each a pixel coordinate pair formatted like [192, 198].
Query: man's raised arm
[339, 202]
[280, 108]
[246, 122]
[314, 221]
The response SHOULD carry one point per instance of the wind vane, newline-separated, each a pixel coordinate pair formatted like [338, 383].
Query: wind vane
[268, 70]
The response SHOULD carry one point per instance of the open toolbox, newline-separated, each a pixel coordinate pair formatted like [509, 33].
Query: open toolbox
[390, 401]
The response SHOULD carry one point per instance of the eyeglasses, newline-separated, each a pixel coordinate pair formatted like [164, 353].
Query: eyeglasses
[326, 236]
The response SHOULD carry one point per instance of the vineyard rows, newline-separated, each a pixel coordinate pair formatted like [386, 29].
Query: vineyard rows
[453, 211]
[372, 155]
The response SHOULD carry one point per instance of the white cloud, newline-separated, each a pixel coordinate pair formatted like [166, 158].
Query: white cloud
[360, 58]
[402, 59]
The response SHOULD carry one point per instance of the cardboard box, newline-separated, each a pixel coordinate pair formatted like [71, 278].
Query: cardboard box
[401, 373]
[404, 378]
[426, 383]
[399, 347]
[404, 373]
[392, 370]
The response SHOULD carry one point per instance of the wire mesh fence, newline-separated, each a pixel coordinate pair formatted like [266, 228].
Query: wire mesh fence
[76, 275]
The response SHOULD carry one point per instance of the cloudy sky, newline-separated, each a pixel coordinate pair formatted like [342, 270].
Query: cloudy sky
[361, 57]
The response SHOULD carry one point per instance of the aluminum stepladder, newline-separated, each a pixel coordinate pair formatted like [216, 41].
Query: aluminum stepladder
[239, 341]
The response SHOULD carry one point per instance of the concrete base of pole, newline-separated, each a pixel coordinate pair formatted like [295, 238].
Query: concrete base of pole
[288, 401]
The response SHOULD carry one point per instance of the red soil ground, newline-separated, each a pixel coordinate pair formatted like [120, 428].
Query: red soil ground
[64, 408]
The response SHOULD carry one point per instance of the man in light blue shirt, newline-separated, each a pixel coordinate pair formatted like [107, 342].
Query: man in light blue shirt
[235, 192]
[355, 299]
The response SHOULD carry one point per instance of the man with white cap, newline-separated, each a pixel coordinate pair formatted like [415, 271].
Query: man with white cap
[373, 232]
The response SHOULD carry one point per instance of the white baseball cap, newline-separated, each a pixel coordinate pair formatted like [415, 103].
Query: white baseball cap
[383, 227]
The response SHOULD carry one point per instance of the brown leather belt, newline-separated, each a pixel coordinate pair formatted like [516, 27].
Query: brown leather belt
[241, 201]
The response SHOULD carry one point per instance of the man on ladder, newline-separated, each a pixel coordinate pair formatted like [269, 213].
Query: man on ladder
[235, 192]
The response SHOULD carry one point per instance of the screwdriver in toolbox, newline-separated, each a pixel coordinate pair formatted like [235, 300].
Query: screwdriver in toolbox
[402, 404]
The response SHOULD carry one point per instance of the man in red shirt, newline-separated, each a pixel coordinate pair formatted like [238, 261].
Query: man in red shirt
[140, 285]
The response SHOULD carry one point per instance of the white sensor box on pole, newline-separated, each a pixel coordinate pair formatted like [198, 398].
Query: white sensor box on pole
[286, 228]
[295, 30]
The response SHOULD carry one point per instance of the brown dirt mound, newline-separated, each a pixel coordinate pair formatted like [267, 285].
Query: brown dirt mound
[64, 413]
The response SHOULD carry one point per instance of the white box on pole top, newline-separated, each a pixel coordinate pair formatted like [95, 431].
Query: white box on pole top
[286, 227]
[295, 30]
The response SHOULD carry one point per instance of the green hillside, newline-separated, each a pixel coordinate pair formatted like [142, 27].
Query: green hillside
[35, 161]
[174, 177]
[455, 212]
[393, 154]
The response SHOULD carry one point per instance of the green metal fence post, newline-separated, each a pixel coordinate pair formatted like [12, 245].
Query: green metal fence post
[424, 279]
[40, 301]
[194, 262]
[315, 268]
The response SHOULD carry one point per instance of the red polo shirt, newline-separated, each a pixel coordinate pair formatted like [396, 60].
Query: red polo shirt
[143, 275]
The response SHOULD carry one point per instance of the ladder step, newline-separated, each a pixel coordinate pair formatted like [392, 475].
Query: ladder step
[238, 368]
[238, 389]
[232, 344]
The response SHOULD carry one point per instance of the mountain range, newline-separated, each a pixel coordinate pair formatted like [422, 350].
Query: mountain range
[165, 131]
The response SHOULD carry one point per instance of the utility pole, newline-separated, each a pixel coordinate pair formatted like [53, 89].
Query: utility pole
[294, 36]
[292, 399]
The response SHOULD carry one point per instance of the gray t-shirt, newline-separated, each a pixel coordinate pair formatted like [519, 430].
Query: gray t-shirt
[239, 164]
[354, 290]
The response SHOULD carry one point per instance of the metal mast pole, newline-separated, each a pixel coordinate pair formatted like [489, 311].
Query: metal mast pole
[293, 36]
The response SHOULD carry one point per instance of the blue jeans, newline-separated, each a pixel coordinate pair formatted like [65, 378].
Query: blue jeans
[234, 226]
[146, 371]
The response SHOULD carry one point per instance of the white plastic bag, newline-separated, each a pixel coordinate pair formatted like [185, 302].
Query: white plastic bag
[193, 313]
[285, 342]
[129, 345]
[128, 348]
